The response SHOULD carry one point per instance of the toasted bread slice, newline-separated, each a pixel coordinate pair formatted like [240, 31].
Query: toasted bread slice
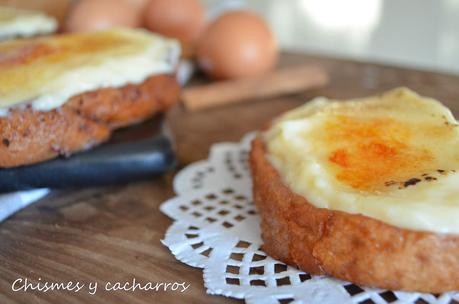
[19, 23]
[351, 247]
[85, 120]
[364, 190]
[65, 93]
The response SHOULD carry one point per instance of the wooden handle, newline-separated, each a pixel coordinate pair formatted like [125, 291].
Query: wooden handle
[285, 81]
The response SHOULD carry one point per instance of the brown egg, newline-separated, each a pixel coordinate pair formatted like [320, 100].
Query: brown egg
[181, 19]
[93, 15]
[237, 44]
[140, 6]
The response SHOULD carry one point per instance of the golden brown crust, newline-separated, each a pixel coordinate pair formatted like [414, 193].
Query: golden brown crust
[85, 120]
[129, 104]
[351, 247]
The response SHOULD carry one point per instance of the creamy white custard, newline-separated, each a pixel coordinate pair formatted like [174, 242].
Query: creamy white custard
[22, 23]
[46, 72]
[394, 158]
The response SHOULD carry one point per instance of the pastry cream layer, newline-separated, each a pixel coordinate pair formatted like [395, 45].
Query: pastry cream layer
[393, 157]
[45, 72]
[22, 23]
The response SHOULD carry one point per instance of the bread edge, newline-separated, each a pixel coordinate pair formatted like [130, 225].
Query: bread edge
[351, 247]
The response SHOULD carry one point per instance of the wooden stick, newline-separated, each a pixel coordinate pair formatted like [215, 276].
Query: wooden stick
[284, 81]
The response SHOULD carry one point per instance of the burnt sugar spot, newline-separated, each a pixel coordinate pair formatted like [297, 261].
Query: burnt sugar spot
[411, 182]
[425, 177]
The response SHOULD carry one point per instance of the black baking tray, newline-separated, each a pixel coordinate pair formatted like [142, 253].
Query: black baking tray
[134, 153]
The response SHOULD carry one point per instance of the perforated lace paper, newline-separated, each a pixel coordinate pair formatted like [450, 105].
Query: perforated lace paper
[216, 228]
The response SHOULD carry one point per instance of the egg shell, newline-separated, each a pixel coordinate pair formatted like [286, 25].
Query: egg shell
[237, 44]
[94, 15]
[180, 19]
[140, 6]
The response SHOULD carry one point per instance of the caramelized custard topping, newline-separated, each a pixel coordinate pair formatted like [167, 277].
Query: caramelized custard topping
[368, 153]
[392, 157]
[52, 69]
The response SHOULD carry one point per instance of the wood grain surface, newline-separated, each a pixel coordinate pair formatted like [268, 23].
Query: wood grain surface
[114, 233]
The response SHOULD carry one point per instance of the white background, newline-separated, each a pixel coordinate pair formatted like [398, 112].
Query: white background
[413, 33]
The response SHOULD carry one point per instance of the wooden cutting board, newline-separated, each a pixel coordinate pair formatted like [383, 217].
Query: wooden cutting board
[114, 233]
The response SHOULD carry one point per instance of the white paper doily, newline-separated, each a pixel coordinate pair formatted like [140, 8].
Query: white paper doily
[216, 228]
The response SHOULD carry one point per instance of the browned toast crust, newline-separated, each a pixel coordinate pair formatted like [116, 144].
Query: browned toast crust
[348, 246]
[129, 104]
[85, 120]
